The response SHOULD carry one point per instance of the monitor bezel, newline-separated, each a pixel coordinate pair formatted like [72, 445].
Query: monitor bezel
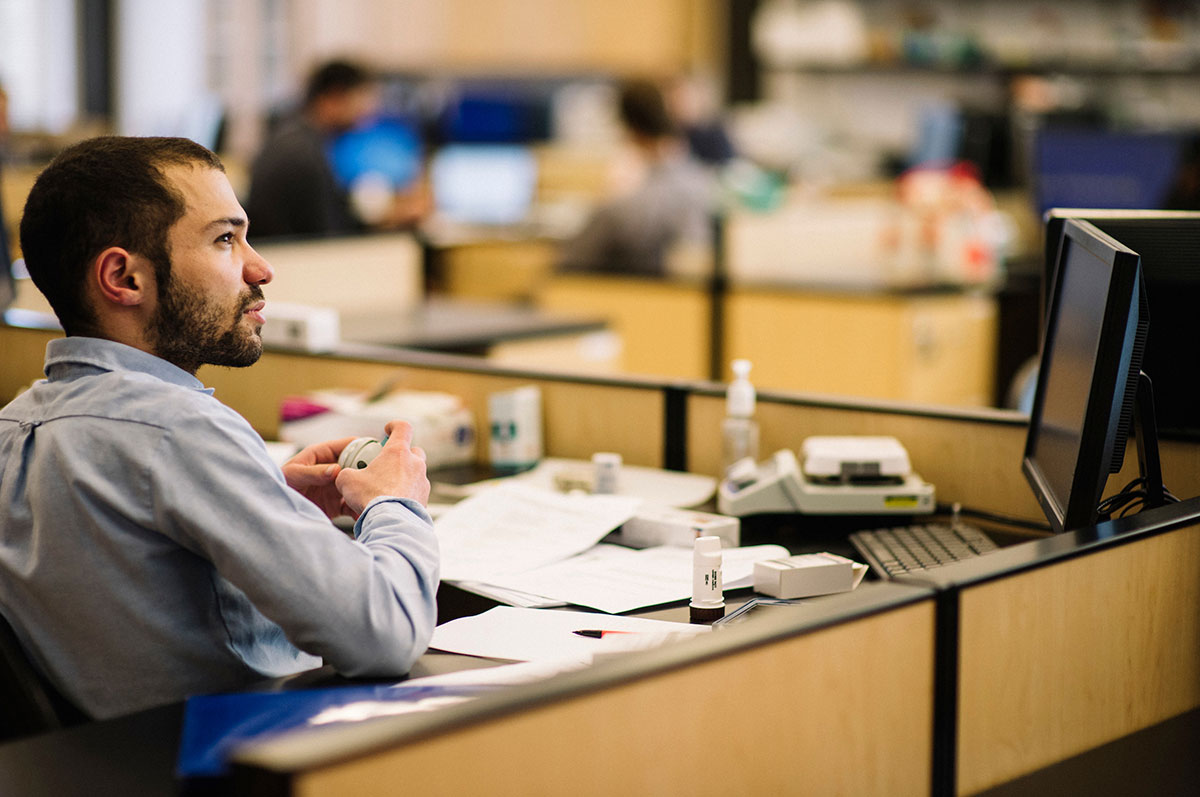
[1107, 389]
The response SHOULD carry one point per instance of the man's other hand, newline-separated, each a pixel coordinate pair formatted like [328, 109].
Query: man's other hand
[313, 473]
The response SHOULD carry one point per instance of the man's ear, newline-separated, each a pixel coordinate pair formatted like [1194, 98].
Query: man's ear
[122, 277]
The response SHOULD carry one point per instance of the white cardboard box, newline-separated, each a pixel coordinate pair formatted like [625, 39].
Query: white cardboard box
[663, 525]
[806, 575]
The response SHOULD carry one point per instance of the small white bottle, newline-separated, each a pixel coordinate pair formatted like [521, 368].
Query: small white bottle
[739, 430]
[708, 596]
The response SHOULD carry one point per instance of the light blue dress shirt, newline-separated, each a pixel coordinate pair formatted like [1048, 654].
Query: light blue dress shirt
[150, 549]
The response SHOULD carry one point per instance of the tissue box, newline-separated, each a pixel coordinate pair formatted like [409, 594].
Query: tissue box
[653, 525]
[806, 575]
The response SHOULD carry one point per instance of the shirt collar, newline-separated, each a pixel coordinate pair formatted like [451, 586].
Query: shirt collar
[74, 351]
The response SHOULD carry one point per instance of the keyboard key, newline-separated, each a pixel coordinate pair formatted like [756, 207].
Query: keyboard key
[908, 549]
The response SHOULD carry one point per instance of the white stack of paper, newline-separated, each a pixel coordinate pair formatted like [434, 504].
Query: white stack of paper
[513, 528]
[612, 578]
[546, 635]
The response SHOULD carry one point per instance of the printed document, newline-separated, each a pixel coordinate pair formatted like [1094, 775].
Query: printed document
[548, 635]
[512, 528]
[612, 578]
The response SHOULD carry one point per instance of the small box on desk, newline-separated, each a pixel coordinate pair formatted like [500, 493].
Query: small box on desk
[806, 575]
[655, 525]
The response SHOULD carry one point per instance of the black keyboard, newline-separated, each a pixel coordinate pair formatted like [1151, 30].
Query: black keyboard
[913, 549]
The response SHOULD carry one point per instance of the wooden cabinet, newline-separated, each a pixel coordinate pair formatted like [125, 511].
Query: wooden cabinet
[936, 348]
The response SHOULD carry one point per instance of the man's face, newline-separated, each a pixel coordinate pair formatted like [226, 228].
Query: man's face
[209, 310]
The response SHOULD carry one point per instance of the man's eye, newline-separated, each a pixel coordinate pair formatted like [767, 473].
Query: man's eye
[227, 238]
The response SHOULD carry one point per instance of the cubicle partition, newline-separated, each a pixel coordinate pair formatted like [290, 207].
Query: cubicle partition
[665, 325]
[1057, 646]
[581, 415]
[836, 700]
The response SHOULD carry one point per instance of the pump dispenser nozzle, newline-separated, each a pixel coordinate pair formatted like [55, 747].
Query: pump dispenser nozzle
[739, 430]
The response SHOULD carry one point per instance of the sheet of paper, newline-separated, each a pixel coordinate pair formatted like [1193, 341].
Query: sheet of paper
[516, 634]
[616, 579]
[524, 672]
[512, 528]
[510, 597]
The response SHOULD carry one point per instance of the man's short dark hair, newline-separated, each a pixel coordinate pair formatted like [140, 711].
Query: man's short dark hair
[643, 109]
[108, 191]
[335, 77]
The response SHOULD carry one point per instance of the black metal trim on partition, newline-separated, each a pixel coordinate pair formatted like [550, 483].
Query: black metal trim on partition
[718, 291]
[675, 421]
[945, 693]
[742, 71]
[94, 33]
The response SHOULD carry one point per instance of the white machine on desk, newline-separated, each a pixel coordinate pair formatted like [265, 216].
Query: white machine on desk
[841, 476]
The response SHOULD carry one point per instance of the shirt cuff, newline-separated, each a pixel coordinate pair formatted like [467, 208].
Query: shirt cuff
[410, 504]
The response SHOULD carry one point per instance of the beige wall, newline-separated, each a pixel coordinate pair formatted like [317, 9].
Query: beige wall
[512, 35]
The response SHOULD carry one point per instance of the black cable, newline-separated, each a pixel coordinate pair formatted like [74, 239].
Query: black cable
[1004, 520]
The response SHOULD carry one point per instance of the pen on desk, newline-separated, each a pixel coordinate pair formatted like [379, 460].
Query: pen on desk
[596, 633]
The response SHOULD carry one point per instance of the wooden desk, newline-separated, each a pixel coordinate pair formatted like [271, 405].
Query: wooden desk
[760, 707]
[847, 710]
[516, 335]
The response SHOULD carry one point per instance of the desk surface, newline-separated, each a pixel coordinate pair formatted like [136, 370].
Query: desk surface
[461, 327]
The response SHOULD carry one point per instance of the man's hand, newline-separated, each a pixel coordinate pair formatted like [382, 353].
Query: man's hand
[398, 470]
[313, 473]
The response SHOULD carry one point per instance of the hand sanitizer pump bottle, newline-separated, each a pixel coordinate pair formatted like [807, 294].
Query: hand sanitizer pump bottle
[739, 430]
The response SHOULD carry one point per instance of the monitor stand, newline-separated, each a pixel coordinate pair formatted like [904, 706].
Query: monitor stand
[1145, 429]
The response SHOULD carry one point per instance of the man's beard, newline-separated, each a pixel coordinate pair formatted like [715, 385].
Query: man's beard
[189, 331]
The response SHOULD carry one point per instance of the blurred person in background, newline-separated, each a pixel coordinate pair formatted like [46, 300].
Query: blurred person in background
[294, 190]
[667, 204]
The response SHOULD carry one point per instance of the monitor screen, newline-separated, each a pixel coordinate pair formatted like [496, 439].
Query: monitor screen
[1095, 168]
[388, 147]
[483, 184]
[1169, 245]
[1087, 379]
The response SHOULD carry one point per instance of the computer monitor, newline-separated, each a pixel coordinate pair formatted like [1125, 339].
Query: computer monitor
[389, 147]
[1169, 245]
[484, 183]
[1089, 378]
[1086, 167]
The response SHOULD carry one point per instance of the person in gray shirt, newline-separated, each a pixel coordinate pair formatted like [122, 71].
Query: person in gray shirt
[150, 549]
[671, 205]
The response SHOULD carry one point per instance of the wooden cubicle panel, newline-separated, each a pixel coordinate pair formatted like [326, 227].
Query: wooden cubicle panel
[972, 457]
[927, 348]
[494, 270]
[580, 418]
[846, 709]
[664, 325]
[1059, 660]
[353, 274]
[24, 353]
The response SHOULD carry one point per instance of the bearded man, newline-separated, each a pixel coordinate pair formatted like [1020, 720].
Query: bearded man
[150, 549]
